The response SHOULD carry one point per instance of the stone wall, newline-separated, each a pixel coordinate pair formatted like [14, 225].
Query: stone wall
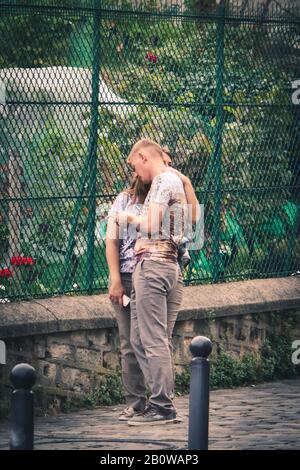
[72, 341]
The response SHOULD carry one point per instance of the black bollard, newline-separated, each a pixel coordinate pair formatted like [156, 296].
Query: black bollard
[200, 348]
[23, 377]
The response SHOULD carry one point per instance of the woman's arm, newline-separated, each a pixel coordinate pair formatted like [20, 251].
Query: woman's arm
[190, 195]
[116, 289]
[191, 199]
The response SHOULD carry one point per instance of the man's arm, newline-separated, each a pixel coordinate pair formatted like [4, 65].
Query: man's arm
[148, 223]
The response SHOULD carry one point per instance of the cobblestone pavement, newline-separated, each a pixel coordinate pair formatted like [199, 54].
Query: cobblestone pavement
[262, 417]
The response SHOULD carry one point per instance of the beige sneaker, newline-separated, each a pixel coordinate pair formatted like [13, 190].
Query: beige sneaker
[152, 417]
[129, 413]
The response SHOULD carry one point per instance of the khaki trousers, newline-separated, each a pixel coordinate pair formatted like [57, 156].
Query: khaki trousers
[155, 300]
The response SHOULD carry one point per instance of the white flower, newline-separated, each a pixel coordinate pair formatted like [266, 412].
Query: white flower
[2, 287]
[4, 301]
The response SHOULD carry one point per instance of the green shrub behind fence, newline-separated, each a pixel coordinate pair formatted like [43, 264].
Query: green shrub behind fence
[82, 81]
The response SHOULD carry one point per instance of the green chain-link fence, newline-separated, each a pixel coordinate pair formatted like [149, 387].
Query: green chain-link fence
[80, 82]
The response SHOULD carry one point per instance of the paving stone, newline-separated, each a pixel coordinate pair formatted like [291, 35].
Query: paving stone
[260, 417]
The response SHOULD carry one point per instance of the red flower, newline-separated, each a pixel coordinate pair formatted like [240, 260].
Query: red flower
[18, 260]
[151, 57]
[5, 272]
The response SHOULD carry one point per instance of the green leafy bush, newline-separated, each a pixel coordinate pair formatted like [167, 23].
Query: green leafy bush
[109, 392]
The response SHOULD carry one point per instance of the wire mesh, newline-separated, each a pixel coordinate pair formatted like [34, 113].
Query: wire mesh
[80, 82]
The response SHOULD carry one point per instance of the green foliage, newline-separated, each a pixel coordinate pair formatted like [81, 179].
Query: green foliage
[171, 99]
[52, 162]
[4, 232]
[185, 75]
[182, 382]
[200, 6]
[271, 362]
[35, 40]
[276, 352]
[109, 392]
[228, 371]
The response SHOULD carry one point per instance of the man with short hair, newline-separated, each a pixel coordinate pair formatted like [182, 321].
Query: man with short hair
[155, 276]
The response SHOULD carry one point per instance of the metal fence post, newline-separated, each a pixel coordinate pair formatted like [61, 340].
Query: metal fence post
[200, 348]
[92, 149]
[23, 377]
[217, 156]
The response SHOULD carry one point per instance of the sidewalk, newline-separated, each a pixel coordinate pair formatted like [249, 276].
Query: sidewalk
[262, 417]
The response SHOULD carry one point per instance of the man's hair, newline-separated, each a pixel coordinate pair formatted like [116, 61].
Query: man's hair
[166, 150]
[144, 144]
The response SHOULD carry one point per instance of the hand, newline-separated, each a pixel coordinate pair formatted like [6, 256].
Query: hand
[123, 218]
[116, 292]
[185, 180]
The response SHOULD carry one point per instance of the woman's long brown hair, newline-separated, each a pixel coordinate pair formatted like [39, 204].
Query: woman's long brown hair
[138, 190]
